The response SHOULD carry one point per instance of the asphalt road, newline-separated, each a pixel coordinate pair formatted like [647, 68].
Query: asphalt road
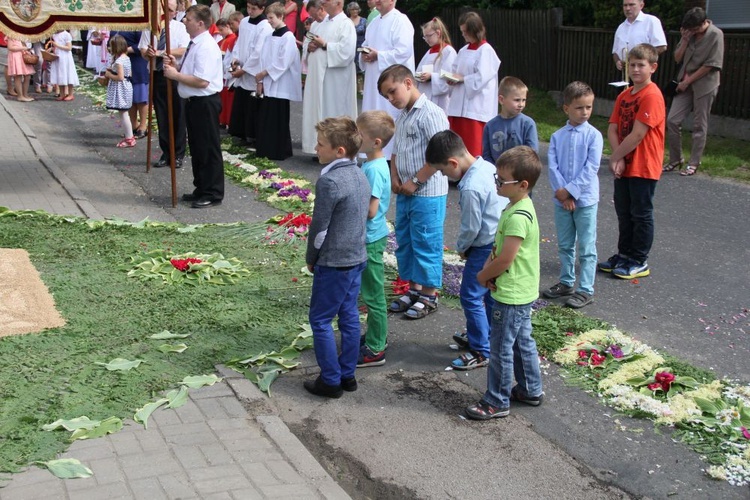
[401, 434]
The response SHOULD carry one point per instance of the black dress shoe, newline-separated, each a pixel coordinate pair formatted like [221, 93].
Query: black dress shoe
[205, 203]
[349, 384]
[165, 163]
[320, 388]
[189, 197]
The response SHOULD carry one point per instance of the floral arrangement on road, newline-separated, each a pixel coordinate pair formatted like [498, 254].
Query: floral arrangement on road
[272, 184]
[635, 379]
[187, 268]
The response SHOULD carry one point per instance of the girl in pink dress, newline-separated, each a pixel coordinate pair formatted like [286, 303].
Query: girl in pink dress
[19, 70]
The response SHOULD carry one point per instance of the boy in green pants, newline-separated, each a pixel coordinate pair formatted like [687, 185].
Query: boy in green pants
[377, 129]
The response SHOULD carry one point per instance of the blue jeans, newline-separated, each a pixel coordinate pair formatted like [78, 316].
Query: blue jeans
[334, 293]
[634, 205]
[512, 352]
[580, 224]
[419, 233]
[476, 301]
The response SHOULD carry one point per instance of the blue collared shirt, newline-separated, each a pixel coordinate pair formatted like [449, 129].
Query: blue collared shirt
[481, 206]
[574, 157]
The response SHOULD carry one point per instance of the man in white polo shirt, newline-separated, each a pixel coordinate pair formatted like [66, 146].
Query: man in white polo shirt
[199, 81]
[638, 27]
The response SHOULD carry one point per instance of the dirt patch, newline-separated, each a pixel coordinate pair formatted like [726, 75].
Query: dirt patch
[26, 305]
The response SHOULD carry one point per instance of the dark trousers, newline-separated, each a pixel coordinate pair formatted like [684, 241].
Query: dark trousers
[243, 123]
[202, 117]
[634, 205]
[162, 116]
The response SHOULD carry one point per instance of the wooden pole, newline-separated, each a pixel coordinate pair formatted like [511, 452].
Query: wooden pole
[170, 110]
[152, 68]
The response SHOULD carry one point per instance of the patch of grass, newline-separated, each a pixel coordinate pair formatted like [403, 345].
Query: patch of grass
[52, 375]
[723, 157]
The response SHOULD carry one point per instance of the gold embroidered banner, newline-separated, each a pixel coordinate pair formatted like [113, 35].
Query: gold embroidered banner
[36, 19]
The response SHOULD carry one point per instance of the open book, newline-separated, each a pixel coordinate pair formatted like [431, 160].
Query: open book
[451, 77]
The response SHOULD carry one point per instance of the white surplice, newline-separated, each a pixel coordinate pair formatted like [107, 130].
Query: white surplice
[476, 97]
[392, 36]
[437, 89]
[331, 83]
[280, 58]
[247, 50]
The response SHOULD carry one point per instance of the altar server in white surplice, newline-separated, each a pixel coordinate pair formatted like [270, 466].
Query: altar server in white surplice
[331, 83]
[390, 38]
[252, 34]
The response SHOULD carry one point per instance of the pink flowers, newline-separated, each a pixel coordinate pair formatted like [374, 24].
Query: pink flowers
[597, 359]
[745, 432]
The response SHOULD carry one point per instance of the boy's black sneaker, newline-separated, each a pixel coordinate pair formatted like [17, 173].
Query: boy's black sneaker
[517, 395]
[369, 358]
[558, 290]
[612, 263]
[631, 269]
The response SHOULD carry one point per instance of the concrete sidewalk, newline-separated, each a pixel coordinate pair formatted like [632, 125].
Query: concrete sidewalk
[209, 448]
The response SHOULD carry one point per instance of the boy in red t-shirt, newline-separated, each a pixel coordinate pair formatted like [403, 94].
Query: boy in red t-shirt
[636, 134]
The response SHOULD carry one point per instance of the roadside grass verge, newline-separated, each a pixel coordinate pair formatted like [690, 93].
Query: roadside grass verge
[52, 375]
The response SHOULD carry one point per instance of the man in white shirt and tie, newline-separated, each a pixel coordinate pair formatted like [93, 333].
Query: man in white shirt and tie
[199, 81]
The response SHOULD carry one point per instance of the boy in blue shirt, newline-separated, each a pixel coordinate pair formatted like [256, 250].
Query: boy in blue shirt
[512, 275]
[376, 129]
[336, 255]
[480, 211]
[511, 127]
[575, 152]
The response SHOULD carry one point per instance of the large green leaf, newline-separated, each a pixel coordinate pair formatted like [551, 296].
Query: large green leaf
[107, 426]
[120, 364]
[142, 414]
[73, 424]
[706, 406]
[266, 378]
[67, 468]
[166, 335]
[165, 348]
[198, 381]
[177, 397]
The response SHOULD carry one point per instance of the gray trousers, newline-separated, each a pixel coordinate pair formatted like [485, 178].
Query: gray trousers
[682, 104]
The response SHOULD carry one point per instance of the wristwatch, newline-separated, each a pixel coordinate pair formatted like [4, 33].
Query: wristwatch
[416, 181]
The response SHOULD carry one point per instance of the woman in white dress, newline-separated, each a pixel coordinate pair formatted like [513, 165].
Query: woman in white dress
[94, 51]
[440, 56]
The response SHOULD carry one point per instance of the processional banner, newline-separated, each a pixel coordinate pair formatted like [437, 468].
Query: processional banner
[37, 19]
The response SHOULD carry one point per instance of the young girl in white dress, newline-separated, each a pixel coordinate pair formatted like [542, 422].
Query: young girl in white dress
[63, 70]
[119, 87]
[474, 94]
[440, 57]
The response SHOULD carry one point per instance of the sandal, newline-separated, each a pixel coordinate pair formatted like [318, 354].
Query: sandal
[462, 339]
[485, 411]
[69, 97]
[469, 361]
[140, 134]
[421, 308]
[403, 303]
[673, 165]
[689, 170]
[126, 143]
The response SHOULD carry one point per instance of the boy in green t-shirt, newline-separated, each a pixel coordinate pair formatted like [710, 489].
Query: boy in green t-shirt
[512, 274]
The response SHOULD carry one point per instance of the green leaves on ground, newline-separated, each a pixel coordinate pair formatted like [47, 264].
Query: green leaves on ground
[177, 397]
[188, 268]
[120, 364]
[165, 348]
[107, 426]
[72, 424]
[166, 335]
[263, 368]
[67, 468]
[198, 381]
[142, 414]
